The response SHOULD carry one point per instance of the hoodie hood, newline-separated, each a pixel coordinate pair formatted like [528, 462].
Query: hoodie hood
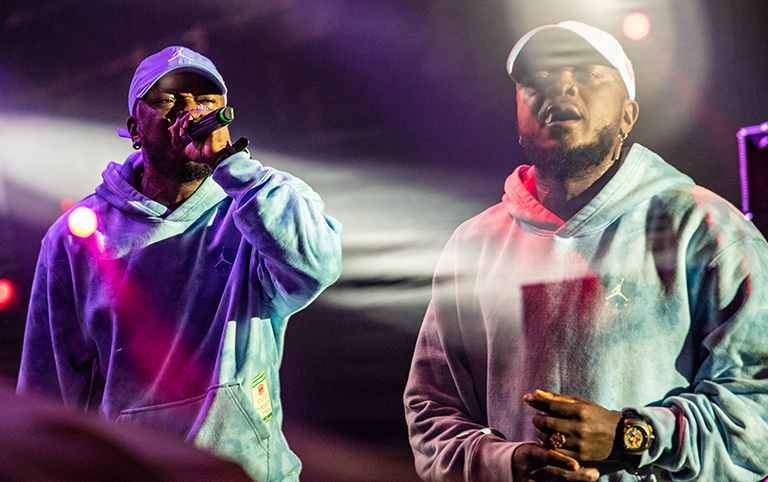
[642, 175]
[118, 190]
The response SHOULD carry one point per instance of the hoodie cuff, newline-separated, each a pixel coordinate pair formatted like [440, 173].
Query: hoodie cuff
[238, 174]
[665, 448]
[241, 145]
[491, 460]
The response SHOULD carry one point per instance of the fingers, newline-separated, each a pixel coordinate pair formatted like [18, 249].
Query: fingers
[559, 466]
[204, 151]
[558, 397]
[562, 406]
[567, 449]
[208, 151]
[545, 423]
[542, 397]
[174, 129]
[545, 437]
[585, 430]
[530, 456]
[183, 121]
[548, 473]
[555, 459]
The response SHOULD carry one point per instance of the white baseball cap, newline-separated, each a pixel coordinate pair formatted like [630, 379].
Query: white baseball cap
[567, 50]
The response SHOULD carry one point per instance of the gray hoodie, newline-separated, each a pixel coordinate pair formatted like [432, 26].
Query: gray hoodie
[654, 296]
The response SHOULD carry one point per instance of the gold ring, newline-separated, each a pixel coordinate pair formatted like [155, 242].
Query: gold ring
[557, 440]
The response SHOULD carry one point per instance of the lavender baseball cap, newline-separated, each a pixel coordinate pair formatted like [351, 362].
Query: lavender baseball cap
[171, 59]
[570, 43]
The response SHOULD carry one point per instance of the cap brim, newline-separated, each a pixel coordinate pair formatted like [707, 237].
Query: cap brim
[187, 68]
[551, 47]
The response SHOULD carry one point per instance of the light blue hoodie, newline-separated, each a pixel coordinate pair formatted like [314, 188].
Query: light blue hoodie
[653, 296]
[177, 318]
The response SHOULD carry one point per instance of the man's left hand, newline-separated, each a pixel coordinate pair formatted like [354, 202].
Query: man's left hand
[589, 429]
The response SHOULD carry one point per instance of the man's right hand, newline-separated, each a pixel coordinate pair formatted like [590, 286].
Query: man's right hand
[532, 462]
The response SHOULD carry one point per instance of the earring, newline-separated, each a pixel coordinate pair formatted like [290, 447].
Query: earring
[621, 136]
[137, 145]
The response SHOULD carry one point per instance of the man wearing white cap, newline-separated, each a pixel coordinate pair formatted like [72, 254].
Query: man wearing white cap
[608, 319]
[173, 312]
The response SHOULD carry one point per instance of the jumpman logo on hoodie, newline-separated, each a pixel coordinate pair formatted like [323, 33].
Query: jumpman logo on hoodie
[222, 259]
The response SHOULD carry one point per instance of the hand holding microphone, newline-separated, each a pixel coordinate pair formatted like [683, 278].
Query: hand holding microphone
[201, 128]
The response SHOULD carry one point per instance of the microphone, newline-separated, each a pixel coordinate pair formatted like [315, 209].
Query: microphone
[202, 127]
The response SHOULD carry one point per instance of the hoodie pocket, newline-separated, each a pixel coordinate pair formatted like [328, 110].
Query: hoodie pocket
[176, 418]
[230, 425]
[219, 421]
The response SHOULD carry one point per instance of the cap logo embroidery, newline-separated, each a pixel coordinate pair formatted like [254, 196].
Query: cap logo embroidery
[179, 57]
[630, 70]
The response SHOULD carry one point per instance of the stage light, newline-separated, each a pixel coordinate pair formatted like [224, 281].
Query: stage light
[65, 204]
[82, 222]
[6, 293]
[636, 26]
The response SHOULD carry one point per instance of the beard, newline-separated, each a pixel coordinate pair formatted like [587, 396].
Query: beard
[174, 165]
[562, 162]
[181, 170]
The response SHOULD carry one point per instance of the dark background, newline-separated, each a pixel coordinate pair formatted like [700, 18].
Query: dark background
[398, 112]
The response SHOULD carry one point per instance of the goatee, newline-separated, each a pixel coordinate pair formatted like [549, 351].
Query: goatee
[185, 172]
[561, 163]
[181, 169]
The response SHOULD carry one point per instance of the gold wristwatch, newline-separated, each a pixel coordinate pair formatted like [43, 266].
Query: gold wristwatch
[637, 436]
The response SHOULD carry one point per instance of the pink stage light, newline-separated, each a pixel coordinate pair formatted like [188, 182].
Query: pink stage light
[636, 26]
[6, 293]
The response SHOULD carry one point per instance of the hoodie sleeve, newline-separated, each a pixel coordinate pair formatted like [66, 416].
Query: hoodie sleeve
[52, 322]
[297, 246]
[446, 420]
[718, 430]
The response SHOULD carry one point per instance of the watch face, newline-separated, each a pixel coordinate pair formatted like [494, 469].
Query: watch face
[634, 438]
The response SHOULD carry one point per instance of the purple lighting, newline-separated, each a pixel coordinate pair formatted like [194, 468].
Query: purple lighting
[756, 168]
